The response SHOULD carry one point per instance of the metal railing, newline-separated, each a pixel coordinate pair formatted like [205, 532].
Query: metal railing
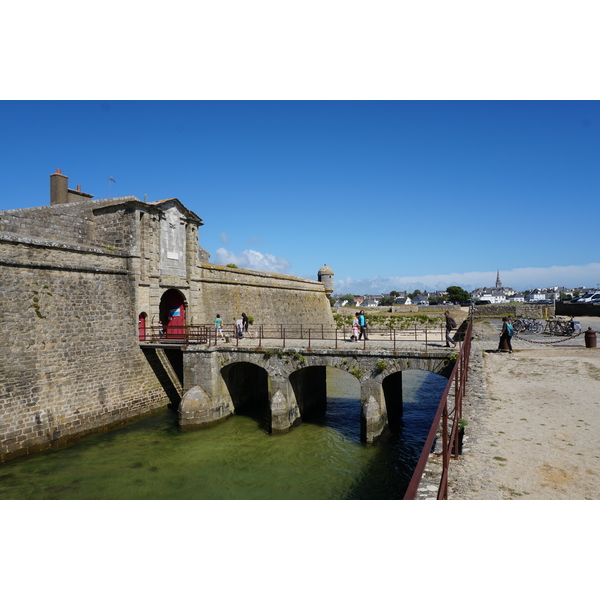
[284, 333]
[445, 412]
[179, 335]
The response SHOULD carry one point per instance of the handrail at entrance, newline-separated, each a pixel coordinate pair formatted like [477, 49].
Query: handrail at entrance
[450, 439]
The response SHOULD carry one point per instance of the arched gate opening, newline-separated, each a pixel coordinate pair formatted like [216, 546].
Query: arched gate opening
[172, 313]
[142, 326]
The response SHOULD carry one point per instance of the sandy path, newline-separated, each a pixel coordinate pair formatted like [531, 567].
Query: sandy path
[533, 425]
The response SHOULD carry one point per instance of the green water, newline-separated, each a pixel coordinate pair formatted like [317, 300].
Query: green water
[152, 459]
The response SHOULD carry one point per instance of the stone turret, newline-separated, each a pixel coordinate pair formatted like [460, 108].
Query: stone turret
[326, 278]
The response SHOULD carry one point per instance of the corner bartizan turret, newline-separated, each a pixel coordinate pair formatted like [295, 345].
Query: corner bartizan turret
[326, 278]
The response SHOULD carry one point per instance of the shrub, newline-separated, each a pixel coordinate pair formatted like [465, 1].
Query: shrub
[380, 366]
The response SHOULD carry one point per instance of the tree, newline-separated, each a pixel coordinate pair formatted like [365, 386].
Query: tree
[394, 293]
[457, 294]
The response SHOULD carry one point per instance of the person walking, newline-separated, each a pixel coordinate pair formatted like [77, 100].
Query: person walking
[506, 335]
[245, 322]
[362, 322]
[450, 325]
[219, 326]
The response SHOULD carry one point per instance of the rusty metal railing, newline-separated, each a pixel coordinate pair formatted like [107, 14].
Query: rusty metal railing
[284, 333]
[179, 335]
[445, 413]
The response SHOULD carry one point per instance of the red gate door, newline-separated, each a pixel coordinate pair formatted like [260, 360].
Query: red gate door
[173, 306]
[142, 327]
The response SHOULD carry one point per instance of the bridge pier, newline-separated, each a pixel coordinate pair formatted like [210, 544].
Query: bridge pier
[285, 412]
[206, 401]
[198, 410]
[374, 416]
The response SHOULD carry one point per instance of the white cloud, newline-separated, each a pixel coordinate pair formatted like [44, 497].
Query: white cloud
[252, 259]
[518, 279]
[224, 238]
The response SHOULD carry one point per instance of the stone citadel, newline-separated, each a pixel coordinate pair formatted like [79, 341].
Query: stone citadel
[77, 280]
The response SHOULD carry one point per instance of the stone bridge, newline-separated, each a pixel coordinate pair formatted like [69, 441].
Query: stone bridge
[290, 384]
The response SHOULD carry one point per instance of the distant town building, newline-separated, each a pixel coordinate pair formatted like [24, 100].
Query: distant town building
[535, 296]
[371, 301]
[496, 295]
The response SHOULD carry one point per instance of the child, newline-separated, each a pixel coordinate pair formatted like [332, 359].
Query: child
[355, 329]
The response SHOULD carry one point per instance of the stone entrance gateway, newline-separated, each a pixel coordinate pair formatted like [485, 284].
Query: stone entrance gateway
[172, 313]
[290, 384]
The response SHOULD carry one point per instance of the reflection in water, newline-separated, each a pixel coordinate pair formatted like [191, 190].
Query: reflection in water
[152, 459]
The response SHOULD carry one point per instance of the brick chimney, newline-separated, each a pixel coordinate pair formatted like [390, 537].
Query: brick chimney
[60, 192]
[59, 188]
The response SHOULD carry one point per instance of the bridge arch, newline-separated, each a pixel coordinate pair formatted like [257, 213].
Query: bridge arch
[310, 388]
[393, 397]
[309, 385]
[382, 402]
[248, 386]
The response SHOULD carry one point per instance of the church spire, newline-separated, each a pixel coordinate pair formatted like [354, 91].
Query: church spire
[498, 281]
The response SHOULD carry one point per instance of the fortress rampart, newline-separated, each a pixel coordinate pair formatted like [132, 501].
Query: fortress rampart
[71, 361]
[269, 297]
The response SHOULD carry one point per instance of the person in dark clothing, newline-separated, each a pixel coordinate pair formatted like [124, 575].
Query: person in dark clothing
[506, 335]
[450, 325]
[245, 322]
[363, 325]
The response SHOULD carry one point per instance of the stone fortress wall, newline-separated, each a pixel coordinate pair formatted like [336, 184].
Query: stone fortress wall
[271, 298]
[75, 275]
[516, 309]
[70, 358]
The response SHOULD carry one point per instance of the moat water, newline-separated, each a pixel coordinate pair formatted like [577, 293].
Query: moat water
[323, 460]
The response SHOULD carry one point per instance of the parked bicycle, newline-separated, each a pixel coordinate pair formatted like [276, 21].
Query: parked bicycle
[527, 325]
[560, 326]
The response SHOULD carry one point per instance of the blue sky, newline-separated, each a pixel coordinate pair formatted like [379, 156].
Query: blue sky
[389, 194]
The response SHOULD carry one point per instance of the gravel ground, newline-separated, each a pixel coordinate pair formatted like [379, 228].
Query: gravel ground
[533, 418]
